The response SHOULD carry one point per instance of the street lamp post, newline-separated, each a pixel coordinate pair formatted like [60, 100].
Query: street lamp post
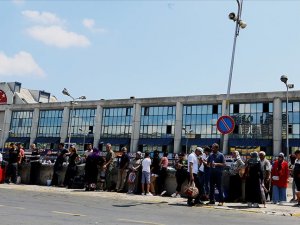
[284, 79]
[186, 138]
[84, 135]
[73, 103]
[238, 24]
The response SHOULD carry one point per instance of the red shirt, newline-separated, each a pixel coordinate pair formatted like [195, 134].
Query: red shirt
[283, 174]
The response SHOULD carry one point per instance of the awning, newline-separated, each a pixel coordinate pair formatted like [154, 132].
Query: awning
[156, 141]
[250, 142]
[47, 140]
[293, 142]
[80, 140]
[200, 141]
[115, 141]
[18, 139]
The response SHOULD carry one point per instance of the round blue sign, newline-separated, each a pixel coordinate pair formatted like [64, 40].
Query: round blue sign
[225, 124]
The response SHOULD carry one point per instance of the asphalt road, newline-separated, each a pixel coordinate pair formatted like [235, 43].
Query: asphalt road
[18, 208]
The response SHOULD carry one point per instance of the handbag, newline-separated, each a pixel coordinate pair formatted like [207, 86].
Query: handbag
[131, 177]
[191, 190]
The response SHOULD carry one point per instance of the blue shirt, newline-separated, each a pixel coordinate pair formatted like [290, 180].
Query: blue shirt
[216, 158]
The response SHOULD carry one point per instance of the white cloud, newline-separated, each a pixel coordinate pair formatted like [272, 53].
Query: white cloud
[46, 18]
[21, 64]
[58, 37]
[90, 24]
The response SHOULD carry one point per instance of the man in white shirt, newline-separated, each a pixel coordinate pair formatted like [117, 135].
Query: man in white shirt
[146, 163]
[193, 168]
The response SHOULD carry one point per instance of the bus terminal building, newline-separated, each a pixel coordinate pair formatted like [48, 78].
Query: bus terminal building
[173, 124]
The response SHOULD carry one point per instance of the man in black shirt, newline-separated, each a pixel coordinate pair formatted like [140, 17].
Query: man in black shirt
[12, 167]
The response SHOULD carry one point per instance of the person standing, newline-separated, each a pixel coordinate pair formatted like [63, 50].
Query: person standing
[296, 175]
[155, 170]
[207, 152]
[72, 167]
[291, 170]
[164, 162]
[134, 168]
[192, 175]
[180, 174]
[108, 166]
[254, 181]
[93, 162]
[12, 167]
[35, 164]
[216, 163]
[122, 171]
[280, 179]
[146, 163]
[58, 165]
[266, 169]
[235, 181]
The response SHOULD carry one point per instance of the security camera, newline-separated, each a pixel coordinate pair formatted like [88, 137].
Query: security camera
[242, 24]
[232, 16]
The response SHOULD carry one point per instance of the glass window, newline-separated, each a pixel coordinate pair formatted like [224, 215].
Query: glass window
[50, 123]
[202, 121]
[117, 123]
[21, 123]
[160, 124]
[251, 122]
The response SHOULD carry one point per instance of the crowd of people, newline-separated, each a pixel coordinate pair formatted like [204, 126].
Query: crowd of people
[255, 180]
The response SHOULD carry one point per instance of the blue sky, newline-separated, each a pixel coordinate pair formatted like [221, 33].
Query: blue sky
[118, 49]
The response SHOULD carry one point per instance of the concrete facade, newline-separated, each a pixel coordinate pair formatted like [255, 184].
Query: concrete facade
[179, 102]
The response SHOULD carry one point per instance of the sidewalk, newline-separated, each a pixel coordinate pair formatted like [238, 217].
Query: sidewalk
[286, 209]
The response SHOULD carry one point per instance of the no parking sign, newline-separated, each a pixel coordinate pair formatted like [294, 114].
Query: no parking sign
[225, 124]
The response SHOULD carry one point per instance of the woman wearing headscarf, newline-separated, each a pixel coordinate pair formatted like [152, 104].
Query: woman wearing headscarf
[280, 179]
[93, 161]
[235, 181]
[254, 181]
[72, 167]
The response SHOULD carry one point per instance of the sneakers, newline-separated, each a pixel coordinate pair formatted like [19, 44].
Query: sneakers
[143, 193]
[173, 195]
[149, 194]
[163, 192]
[178, 196]
[220, 203]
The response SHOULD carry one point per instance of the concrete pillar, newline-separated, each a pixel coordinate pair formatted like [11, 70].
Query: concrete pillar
[35, 123]
[64, 124]
[224, 138]
[98, 125]
[6, 126]
[277, 126]
[178, 127]
[136, 123]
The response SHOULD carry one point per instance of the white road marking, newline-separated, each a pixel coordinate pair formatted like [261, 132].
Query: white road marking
[67, 213]
[139, 221]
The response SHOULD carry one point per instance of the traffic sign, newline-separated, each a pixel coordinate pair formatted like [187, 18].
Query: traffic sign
[225, 124]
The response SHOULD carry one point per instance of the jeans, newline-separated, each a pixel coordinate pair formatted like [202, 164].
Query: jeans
[216, 181]
[279, 194]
